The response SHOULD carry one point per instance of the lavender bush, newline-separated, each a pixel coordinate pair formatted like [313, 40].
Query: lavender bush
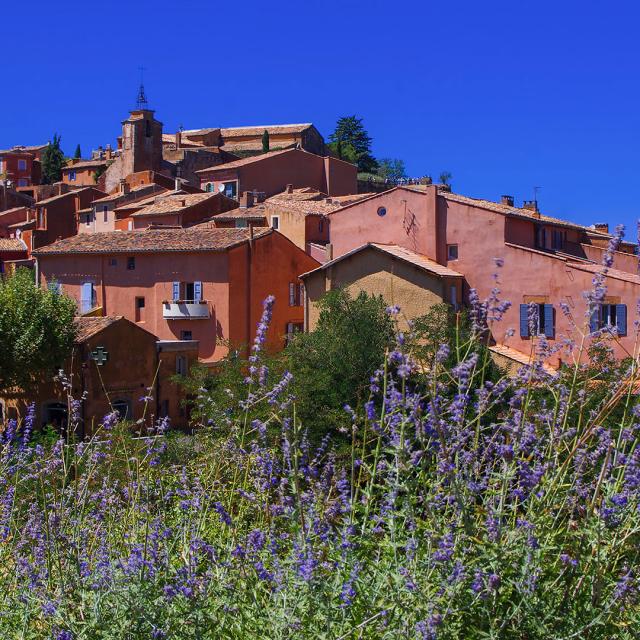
[467, 507]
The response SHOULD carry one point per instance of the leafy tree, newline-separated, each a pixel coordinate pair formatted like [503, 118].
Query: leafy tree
[265, 141]
[100, 170]
[392, 169]
[78, 153]
[351, 142]
[445, 178]
[53, 161]
[332, 365]
[36, 330]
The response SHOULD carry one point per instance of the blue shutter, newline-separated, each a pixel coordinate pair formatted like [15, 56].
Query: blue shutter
[621, 319]
[176, 291]
[549, 329]
[86, 297]
[524, 320]
[594, 320]
[197, 291]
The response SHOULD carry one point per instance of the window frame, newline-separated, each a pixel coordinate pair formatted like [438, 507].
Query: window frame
[452, 249]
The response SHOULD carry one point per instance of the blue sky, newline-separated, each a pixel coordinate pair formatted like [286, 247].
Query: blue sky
[506, 96]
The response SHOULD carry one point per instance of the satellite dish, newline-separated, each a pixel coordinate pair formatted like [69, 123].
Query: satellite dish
[221, 188]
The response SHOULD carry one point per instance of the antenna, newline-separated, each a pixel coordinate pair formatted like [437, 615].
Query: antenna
[535, 193]
[141, 101]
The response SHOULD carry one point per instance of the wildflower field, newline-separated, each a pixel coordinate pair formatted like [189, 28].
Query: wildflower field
[456, 503]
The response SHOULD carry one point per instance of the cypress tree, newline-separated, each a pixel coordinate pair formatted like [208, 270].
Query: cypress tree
[53, 161]
[78, 153]
[265, 141]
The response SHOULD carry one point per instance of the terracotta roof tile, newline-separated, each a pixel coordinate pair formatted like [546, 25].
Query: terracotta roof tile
[174, 204]
[86, 164]
[158, 240]
[88, 326]
[12, 244]
[316, 206]
[519, 357]
[258, 130]
[244, 161]
[140, 190]
[73, 192]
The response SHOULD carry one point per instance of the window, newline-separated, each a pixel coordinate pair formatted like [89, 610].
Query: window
[147, 128]
[292, 329]
[296, 294]
[452, 252]
[23, 182]
[105, 213]
[181, 366]
[541, 238]
[610, 316]
[140, 309]
[275, 222]
[241, 223]
[209, 187]
[321, 225]
[88, 297]
[113, 262]
[186, 335]
[87, 220]
[1, 165]
[230, 189]
[22, 165]
[558, 239]
[544, 317]
[131, 263]
[72, 175]
[187, 291]
[453, 296]
[122, 408]
[130, 225]
[54, 287]
[382, 211]
[41, 218]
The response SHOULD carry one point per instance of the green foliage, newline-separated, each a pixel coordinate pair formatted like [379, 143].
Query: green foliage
[100, 170]
[351, 142]
[331, 365]
[445, 178]
[392, 169]
[53, 161]
[265, 141]
[36, 330]
[78, 153]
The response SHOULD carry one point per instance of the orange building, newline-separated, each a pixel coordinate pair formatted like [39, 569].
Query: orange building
[83, 172]
[187, 284]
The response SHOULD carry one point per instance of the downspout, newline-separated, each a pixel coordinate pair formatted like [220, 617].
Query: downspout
[157, 389]
[249, 268]
[103, 289]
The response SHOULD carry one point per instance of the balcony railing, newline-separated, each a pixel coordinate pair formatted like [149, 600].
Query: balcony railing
[185, 310]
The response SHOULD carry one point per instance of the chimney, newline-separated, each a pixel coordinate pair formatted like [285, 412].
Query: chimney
[124, 186]
[601, 227]
[246, 200]
[506, 200]
[178, 139]
[289, 188]
[328, 251]
[328, 200]
[108, 152]
[60, 188]
[531, 205]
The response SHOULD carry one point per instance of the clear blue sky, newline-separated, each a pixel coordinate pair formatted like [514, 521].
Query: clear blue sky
[504, 95]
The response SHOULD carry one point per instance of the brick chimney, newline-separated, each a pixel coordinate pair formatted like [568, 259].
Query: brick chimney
[602, 227]
[108, 152]
[178, 139]
[328, 200]
[506, 200]
[531, 205]
[246, 200]
[124, 186]
[289, 188]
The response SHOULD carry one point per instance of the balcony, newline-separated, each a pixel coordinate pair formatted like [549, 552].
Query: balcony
[186, 310]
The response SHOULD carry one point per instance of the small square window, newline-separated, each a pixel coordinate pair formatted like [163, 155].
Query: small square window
[23, 182]
[72, 175]
[22, 165]
[139, 303]
[186, 335]
[131, 263]
[275, 222]
[452, 252]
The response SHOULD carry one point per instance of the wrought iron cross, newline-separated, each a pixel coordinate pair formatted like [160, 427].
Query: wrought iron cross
[100, 355]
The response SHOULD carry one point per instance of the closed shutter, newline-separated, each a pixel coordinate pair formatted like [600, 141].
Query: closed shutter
[549, 329]
[621, 319]
[524, 320]
[86, 297]
[292, 294]
[197, 291]
[176, 291]
[301, 294]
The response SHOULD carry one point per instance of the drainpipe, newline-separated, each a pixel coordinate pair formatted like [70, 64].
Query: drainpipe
[249, 267]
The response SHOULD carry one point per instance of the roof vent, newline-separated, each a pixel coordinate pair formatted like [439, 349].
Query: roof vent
[506, 200]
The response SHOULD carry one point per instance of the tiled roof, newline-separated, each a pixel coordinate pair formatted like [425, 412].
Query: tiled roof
[243, 161]
[519, 357]
[258, 130]
[86, 164]
[416, 259]
[151, 240]
[616, 274]
[174, 204]
[41, 203]
[315, 207]
[113, 197]
[24, 149]
[13, 210]
[255, 145]
[12, 244]
[89, 326]
[252, 213]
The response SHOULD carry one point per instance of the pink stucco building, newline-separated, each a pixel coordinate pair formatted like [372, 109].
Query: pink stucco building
[547, 261]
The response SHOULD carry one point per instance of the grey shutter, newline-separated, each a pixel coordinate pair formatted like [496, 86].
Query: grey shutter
[176, 291]
[524, 320]
[621, 319]
[197, 291]
[549, 329]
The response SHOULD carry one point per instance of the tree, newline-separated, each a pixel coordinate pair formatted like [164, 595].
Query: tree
[53, 161]
[78, 153]
[36, 330]
[351, 142]
[445, 178]
[265, 141]
[392, 169]
[333, 364]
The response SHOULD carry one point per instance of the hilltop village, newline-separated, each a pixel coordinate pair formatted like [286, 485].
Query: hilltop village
[170, 242]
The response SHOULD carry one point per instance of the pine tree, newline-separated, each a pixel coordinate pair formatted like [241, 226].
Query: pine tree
[53, 161]
[351, 142]
[78, 153]
[265, 141]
